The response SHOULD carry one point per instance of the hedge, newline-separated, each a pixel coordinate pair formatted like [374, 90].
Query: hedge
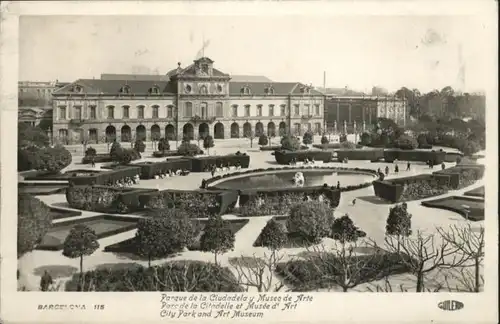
[461, 176]
[104, 198]
[285, 157]
[204, 163]
[150, 169]
[278, 202]
[171, 276]
[198, 204]
[62, 176]
[474, 213]
[368, 154]
[170, 153]
[98, 158]
[451, 157]
[107, 177]
[333, 146]
[278, 147]
[414, 155]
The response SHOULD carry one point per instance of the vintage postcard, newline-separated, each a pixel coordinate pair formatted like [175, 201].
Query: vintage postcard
[257, 161]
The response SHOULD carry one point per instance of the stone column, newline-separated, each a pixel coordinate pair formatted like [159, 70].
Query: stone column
[350, 111]
[338, 111]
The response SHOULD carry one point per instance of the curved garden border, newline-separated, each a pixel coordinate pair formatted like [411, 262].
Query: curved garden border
[210, 182]
[460, 211]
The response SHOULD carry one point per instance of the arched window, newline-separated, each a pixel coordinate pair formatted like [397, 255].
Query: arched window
[188, 109]
[203, 89]
[245, 90]
[155, 90]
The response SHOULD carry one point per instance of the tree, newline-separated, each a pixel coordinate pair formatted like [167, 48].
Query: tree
[406, 142]
[469, 242]
[324, 140]
[28, 136]
[115, 148]
[208, 142]
[169, 231]
[163, 145]
[423, 253]
[52, 159]
[33, 221]
[258, 272]
[398, 222]
[469, 148]
[273, 235]
[310, 220]
[139, 146]
[188, 149]
[342, 138]
[263, 140]
[366, 139]
[251, 136]
[290, 143]
[307, 139]
[344, 230]
[422, 139]
[217, 237]
[81, 241]
[125, 156]
[90, 151]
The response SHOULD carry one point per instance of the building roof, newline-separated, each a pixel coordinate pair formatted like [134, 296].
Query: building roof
[259, 88]
[250, 78]
[134, 77]
[98, 86]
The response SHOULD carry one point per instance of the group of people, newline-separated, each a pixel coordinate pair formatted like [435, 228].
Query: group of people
[171, 173]
[125, 182]
[307, 161]
[214, 169]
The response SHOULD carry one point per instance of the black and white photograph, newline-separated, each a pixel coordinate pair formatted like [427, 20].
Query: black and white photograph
[266, 155]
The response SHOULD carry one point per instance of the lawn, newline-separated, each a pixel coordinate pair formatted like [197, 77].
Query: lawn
[103, 225]
[129, 247]
[457, 204]
[478, 192]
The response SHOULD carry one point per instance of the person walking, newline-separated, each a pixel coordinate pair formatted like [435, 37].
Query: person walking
[46, 281]
[396, 169]
[212, 171]
[408, 166]
[92, 161]
[387, 170]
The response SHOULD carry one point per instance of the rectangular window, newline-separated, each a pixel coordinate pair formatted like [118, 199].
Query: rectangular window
[170, 112]
[283, 110]
[140, 112]
[219, 111]
[204, 110]
[93, 114]
[296, 109]
[306, 111]
[235, 111]
[247, 110]
[271, 110]
[316, 110]
[259, 110]
[77, 112]
[155, 112]
[111, 112]
[188, 109]
[126, 113]
[62, 112]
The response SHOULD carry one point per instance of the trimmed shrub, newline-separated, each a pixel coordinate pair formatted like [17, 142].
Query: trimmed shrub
[208, 142]
[205, 163]
[139, 146]
[150, 169]
[310, 220]
[90, 151]
[273, 235]
[366, 139]
[308, 137]
[422, 140]
[398, 221]
[51, 159]
[33, 221]
[217, 237]
[437, 157]
[182, 276]
[98, 158]
[371, 154]
[285, 157]
[290, 143]
[108, 177]
[324, 140]
[81, 241]
[342, 138]
[189, 149]
[344, 230]
[163, 145]
[469, 148]
[26, 158]
[405, 142]
[263, 140]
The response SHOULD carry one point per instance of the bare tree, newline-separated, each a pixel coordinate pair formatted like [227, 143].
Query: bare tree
[422, 253]
[470, 243]
[258, 272]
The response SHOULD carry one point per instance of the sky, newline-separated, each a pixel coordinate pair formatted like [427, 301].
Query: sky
[355, 51]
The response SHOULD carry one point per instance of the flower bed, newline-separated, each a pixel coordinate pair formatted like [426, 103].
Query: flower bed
[150, 169]
[98, 158]
[414, 155]
[368, 154]
[104, 198]
[285, 157]
[198, 204]
[108, 177]
[170, 276]
[205, 163]
[313, 273]
[474, 212]
[279, 202]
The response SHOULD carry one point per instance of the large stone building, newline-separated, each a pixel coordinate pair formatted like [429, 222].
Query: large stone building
[350, 113]
[193, 101]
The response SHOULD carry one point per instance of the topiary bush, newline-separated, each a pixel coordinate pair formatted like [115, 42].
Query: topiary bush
[366, 139]
[399, 221]
[189, 149]
[290, 143]
[310, 220]
[406, 142]
[263, 140]
[324, 140]
[208, 142]
[308, 137]
[272, 236]
[90, 151]
[33, 221]
[163, 145]
[139, 146]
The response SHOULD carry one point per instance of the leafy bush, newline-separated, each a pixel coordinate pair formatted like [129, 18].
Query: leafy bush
[342, 138]
[208, 142]
[285, 157]
[26, 158]
[406, 142]
[29, 136]
[168, 232]
[52, 159]
[272, 236]
[151, 169]
[33, 221]
[181, 276]
[139, 146]
[366, 139]
[324, 140]
[114, 150]
[290, 143]
[163, 145]
[204, 164]
[125, 156]
[81, 241]
[399, 221]
[90, 151]
[348, 145]
[263, 140]
[344, 230]
[307, 139]
[469, 148]
[188, 149]
[422, 140]
[310, 220]
[217, 237]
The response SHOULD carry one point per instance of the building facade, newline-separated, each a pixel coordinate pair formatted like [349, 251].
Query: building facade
[357, 113]
[195, 101]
